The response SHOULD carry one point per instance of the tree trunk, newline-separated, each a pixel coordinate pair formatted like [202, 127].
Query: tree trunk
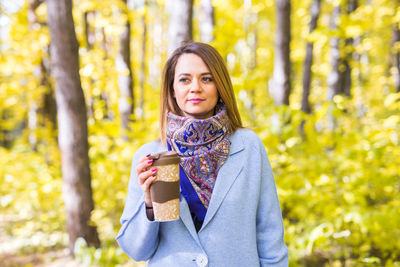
[33, 125]
[33, 112]
[307, 73]
[5, 134]
[280, 84]
[142, 74]
[41, 110]
[33, 4]
[180, 23]
[253, 44]
[109, 114]
[346, 80]
[125, 80]
[89, 33]
[334, 79]
[89, 42]
[206, 21]
[351, 6]
[157, 27]
[72, 125]
[250, 61]
[49, 105]
[396, 40]
[357, 60]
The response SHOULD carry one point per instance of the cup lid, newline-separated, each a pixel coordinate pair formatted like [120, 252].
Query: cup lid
[165, 158]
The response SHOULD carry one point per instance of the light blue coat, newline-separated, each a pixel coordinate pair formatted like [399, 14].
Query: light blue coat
[243, 225]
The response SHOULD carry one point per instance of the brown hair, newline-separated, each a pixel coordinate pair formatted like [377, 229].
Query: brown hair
[216, 65]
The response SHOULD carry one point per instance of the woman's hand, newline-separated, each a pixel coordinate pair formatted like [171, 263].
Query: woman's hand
[146, 176]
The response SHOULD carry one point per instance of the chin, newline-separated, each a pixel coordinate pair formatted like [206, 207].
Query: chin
[198, 115]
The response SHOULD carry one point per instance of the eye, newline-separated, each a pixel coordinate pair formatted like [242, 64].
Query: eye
[207, 79]
[184, 80]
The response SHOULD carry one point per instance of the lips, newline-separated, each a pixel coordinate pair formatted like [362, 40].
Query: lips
[195, 100]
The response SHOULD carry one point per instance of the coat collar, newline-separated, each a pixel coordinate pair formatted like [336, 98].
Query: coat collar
[226, 177]
[236, 143]
[186, 218]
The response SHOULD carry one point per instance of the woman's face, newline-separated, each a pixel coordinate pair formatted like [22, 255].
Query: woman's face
[194, 87]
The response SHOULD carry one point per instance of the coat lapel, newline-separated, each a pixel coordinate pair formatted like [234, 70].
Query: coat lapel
[187, 219]
[226, 177]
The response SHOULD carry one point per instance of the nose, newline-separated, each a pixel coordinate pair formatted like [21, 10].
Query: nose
[195, 86]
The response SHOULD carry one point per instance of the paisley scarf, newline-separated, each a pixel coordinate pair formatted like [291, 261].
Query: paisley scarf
[203, 146]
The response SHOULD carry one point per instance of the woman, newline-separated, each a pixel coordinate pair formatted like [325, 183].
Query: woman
[229, 209]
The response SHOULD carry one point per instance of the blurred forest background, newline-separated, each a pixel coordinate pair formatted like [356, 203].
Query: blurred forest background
[317, 80]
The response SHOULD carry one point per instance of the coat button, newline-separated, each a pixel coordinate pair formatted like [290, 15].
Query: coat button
[201, 260]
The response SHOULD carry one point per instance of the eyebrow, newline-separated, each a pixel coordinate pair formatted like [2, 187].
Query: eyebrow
[188, 74]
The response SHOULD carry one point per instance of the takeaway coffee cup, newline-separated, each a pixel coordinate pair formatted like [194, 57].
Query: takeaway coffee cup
[164, 190]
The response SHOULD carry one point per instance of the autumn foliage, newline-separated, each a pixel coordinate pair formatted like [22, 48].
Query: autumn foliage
[337, 168]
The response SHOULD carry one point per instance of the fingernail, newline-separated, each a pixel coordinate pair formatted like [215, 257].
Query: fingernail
[148, 155]
[149, 161]
[154, 169]
[154, 175]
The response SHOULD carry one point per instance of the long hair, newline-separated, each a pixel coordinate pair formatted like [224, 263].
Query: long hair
[216, 65]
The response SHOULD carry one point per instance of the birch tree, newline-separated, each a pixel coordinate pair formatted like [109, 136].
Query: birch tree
[280, 84]
[125, 79]
[206, 21]
[180, 23]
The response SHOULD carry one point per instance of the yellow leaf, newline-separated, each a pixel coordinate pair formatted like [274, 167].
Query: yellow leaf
[391, 122]
[391, 98]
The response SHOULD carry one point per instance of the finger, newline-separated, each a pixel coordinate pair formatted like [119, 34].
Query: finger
[142, 166]
[146, 174]
[148, 182]
[144, 158]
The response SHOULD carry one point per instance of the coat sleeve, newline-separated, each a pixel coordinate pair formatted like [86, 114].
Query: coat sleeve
[138, 237]
[271, 248]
